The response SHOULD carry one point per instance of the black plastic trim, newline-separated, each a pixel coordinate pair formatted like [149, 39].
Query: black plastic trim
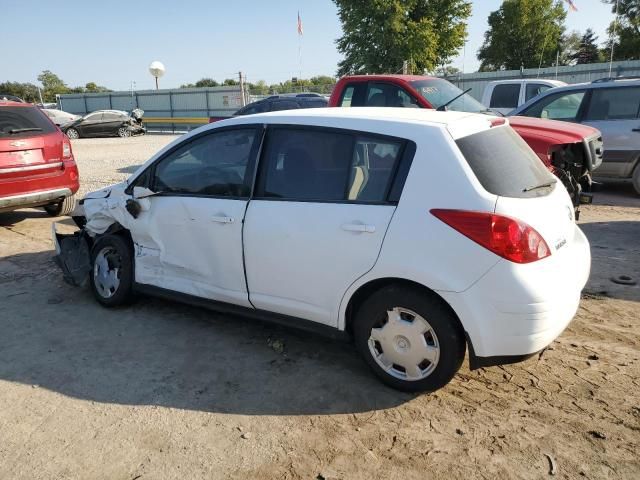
[476, 362]
[231, 309]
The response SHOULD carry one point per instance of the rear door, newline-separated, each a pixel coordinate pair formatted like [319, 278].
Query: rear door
[614, 111]
[318, 217]
[30, 145]
[505, 97]
[111, 122]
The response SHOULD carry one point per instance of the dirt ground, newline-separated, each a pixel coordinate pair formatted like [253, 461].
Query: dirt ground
[161, 390]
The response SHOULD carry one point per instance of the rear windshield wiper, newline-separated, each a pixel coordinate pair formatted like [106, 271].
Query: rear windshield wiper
[542, 185]
[443, 107]
[20, 130]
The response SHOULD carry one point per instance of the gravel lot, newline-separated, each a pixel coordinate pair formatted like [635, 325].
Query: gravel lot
[161, 390]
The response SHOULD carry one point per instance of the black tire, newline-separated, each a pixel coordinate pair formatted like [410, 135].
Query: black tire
[120, 258]
[449, 334]
[124, 132]
[72, 133]
[64, 207]
[636, 178]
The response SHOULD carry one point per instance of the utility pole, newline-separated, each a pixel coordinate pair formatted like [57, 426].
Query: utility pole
[242, 97]
[405, 67]
[613, 38]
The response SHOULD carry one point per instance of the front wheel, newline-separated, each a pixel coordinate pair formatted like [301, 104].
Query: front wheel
[64, 207]
[409, 338]
[111, 275]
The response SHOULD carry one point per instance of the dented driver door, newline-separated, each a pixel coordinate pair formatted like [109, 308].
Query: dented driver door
[189, 236]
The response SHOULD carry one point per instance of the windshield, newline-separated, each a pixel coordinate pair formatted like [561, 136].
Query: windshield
[24, 122]
[437, 92]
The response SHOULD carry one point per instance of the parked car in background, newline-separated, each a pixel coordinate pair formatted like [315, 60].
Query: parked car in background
[612, 105]
[419, 233]
[284, 102]
[37, 168]
[571, 152]
[5, 97]
[59, 117]
[504, 96]
[104, 123]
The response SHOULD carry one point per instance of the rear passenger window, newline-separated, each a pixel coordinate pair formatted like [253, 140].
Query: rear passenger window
[316, 165]
[385, 95]
[372, 168]
[534, 89]
[505, 96]
[614, 104]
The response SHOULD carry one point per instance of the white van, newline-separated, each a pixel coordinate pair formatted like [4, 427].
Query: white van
[505, 95]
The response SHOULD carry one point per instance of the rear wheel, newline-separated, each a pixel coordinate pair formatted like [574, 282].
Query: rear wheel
[124, 132]
[111, 271]
[409, 339]
[64, 207]
[72, 133]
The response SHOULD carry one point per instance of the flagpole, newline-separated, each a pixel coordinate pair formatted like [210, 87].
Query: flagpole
[613, 39]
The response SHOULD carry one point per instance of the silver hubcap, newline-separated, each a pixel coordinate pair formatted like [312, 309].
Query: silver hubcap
[72, 133]
[405, 345]
[124, 132]
[106, 272]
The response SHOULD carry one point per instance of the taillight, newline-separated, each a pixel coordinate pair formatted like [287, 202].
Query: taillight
[66, 149]
[505, 236]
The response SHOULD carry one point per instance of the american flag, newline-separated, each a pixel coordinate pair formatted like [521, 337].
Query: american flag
[572, 5]
[300, 31]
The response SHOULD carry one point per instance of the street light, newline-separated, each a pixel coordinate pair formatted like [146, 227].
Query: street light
[157, 70]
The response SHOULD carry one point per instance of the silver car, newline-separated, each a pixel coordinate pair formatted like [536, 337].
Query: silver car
[58, 116]
[612, 105]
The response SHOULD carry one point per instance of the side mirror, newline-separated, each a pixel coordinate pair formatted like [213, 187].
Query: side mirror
[142, 192]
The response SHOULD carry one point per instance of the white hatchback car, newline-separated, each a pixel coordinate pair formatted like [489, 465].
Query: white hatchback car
[418, 233]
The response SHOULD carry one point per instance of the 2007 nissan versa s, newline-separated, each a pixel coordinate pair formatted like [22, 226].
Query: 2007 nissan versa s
[419, 233]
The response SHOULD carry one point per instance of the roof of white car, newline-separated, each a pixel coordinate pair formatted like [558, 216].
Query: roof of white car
[409, 115]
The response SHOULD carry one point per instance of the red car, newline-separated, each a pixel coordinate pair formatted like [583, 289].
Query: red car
[37, 168]
[569, 150]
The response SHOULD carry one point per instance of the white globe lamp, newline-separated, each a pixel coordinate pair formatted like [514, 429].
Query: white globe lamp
[157, 70]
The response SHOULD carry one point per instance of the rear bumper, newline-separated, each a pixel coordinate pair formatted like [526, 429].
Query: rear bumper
[33, 199]
[515, 310]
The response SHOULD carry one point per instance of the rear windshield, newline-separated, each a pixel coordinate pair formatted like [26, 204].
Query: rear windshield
[505, 165]
[23, 122]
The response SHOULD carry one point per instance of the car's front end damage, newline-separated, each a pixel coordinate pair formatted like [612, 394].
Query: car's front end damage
[99, 213]
[571, 151]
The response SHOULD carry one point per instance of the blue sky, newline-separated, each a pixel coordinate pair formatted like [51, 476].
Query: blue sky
[112, 43]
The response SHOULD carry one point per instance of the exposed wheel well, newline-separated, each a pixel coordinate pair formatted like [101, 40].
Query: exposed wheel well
[369, 288]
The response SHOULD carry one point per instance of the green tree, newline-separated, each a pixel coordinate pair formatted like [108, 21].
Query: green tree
[93, 87]
[228, 82]
[522, 33]
[588, 51]
[379, 35]
[568, 48]
[52, 85]
[626, 41]
[26, 91]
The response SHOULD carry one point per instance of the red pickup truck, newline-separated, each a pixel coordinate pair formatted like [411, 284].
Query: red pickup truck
[569, 150]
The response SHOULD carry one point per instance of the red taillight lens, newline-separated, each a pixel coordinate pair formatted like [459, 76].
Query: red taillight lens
[505, 236]
[66, 149]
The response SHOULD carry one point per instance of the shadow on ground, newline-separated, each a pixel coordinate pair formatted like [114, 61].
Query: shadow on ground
[8, 219]
[130, 169]
[616, 193]
[156, 352]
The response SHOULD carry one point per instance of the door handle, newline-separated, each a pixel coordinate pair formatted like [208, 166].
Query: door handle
[359, 227]
[222, 219]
